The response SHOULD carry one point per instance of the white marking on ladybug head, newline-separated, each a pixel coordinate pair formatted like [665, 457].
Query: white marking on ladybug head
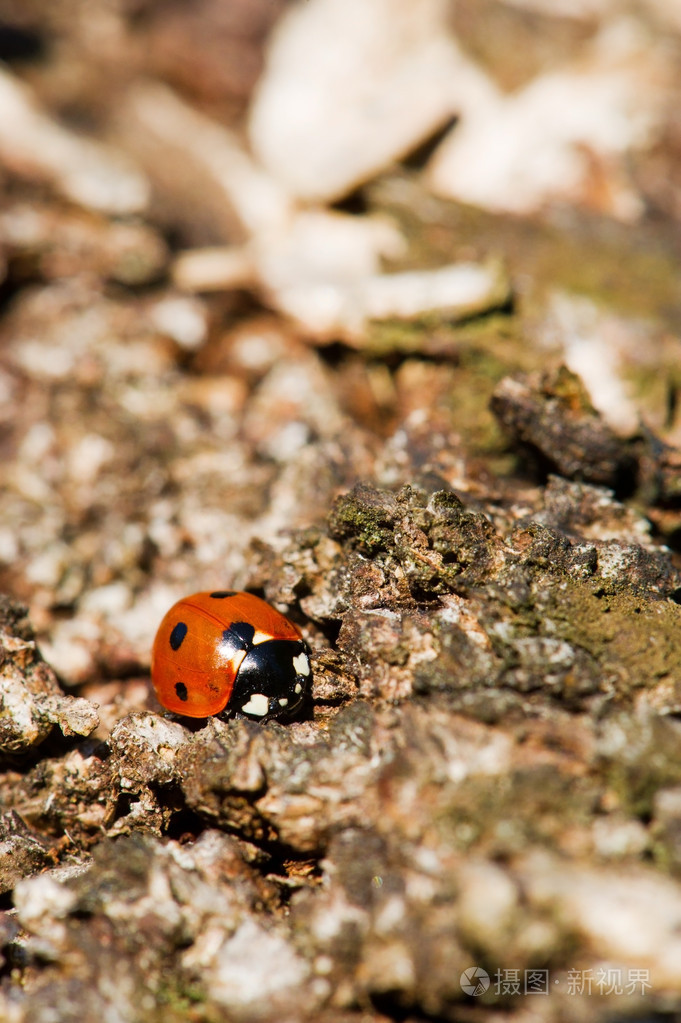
[261, 637]
[258, 704]
[283, 702]
[302, 664]
[298, 688]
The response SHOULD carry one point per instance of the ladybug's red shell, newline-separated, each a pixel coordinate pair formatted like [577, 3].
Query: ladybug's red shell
[227, 650]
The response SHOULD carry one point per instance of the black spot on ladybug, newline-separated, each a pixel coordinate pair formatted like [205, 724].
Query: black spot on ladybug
[181, 690]
[222, 594]
[177, 635]
[245, 631]
[237, 637]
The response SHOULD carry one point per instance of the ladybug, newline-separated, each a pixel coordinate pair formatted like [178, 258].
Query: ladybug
[229, 651]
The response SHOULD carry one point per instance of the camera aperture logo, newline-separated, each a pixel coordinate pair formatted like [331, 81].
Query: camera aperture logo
[474, 980]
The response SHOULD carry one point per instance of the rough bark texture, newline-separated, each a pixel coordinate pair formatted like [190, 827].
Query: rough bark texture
[483, 561]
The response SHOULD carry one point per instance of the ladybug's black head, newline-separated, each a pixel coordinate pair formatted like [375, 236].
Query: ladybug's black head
[273, 679]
